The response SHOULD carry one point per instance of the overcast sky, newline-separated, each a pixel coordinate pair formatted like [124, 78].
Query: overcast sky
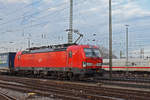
[45, 22]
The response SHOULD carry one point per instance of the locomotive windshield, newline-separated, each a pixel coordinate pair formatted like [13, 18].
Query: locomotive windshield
[92, 52]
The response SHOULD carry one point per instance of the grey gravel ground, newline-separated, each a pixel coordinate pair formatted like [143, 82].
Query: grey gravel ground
[25, 96]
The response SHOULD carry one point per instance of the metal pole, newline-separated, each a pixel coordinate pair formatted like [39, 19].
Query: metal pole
[28, 42]
[110, 40]
[71, 23]
[126, 45]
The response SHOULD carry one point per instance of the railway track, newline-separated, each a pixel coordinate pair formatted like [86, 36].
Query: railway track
[128, 79]
[127, 84]
[72, 90]
[52, 91]
[5, 96]
[124, 82]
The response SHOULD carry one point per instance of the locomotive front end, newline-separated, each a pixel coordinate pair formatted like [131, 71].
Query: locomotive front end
[92, 63]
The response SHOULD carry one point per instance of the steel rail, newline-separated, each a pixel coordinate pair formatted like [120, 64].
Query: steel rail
[55, 92]
[5, 96]
[83, 91]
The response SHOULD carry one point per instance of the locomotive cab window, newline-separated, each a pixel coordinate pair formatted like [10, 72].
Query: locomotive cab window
[70, 54]
[92, 52]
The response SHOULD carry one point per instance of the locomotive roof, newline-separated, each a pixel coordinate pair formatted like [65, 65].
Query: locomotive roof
[52, 46]
[60, 47]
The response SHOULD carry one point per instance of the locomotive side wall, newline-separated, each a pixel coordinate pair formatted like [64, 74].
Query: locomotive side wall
[48, 59]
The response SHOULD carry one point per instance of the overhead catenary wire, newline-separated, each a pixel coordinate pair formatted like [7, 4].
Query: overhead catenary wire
[30, 15]
[45, 22]
[34, 25]
[22, 8]
[51, 14]
[16, 19]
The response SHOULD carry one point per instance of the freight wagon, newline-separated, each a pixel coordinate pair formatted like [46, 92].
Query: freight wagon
[7, 61]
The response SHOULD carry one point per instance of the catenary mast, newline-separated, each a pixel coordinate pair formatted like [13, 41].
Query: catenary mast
[110, 40]
[70, 33]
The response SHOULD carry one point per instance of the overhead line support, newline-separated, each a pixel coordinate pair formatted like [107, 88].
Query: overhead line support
[110, 40]
[70, 33]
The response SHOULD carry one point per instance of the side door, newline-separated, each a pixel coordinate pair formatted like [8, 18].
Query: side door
[70, 59]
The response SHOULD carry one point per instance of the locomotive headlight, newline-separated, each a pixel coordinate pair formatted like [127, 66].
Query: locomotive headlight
[99, 64]
[84, 64]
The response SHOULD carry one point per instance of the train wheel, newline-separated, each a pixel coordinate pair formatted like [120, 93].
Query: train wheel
[70, 75]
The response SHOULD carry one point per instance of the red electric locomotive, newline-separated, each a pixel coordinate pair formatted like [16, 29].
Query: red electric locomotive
[61, 60]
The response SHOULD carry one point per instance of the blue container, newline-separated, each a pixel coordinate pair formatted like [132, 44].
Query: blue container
[7, 60]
